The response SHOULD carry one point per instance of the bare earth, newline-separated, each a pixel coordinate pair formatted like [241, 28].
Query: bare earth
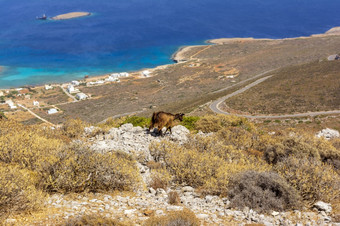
[71, 15]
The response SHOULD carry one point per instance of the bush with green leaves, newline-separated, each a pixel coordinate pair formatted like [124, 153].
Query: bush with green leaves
[137, 121]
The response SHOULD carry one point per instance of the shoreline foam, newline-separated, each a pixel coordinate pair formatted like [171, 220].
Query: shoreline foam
[71, 15]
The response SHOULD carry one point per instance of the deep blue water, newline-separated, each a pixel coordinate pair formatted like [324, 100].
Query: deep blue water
[126, 35]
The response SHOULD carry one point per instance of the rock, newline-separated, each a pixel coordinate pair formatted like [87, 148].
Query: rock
[152, 191]
[209, 198]
[267, 223]
[159, 212]
[328, 134]
[174, 208]
[160, 191]
[10, 221]
[129, 212]
[126, 127]
[188, 189]
[179, 134]
[322, 206]
[274, 213]
[202, 216]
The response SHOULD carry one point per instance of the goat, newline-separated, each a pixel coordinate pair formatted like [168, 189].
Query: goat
[161, 119]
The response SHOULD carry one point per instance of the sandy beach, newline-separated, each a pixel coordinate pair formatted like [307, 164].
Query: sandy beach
[71, 15]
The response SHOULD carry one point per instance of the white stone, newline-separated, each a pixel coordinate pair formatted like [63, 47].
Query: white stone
[188, 189]
[322, 206]
[129, 212]
[202, 216]
[159, 212]
[274, 213]
[328, 133]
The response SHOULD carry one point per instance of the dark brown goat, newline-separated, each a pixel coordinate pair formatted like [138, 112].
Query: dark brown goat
[161, 119]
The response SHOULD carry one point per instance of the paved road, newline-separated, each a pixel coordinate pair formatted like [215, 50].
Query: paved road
[35, 115]
[214, 106]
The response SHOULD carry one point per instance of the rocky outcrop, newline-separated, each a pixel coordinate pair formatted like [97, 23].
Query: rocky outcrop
[135, 141]
[328, 134]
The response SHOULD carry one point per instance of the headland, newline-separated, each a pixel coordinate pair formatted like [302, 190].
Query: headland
[71, 15]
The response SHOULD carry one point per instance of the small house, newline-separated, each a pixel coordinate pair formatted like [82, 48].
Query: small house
[48, 87]
[81, 96]
[70, 89]
[2, 94]
[52, 111]
[11, 104]
[75, 83]
[36, 103]
[146, 73]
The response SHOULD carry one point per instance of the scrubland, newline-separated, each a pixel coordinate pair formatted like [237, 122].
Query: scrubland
[236, 159]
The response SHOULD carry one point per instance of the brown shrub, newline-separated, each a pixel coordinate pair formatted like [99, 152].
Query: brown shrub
[17, 190]
[79, 169]
[297, 146]
[86, 220]
[175, 218]
[160, 178]
[62, 167]
[74, 128]
[262, 191]
[213, 123]
[174, 198]
[154, 165]
[302, 146]
[313, 179]
[207, 169]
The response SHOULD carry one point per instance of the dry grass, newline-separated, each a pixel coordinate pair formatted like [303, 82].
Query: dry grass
[309, 87]
[183, 218]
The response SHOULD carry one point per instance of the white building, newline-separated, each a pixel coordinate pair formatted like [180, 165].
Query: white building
[48, 87]
[52, 111]
[118, 75]
[1, 94]
[112, 79]
[75, 83]
[230, 76]
[146, 73]
[11, 104]
[70, 89]
[81, 96]
[35, 103]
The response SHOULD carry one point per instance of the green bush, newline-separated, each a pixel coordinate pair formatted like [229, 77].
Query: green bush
[189, 122]
[137, 121]
[262, 191]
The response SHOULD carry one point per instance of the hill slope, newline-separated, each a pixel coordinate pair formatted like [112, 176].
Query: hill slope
[308, 87]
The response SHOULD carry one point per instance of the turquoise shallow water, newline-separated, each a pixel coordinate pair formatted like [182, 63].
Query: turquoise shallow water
[127, 35]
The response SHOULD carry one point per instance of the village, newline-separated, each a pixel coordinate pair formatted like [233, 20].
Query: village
[32, 103]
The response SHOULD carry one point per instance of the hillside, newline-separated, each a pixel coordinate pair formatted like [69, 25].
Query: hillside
[185, 86]
[308, 87]
[117, 173]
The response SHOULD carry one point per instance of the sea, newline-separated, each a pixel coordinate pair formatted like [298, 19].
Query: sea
[129, 35]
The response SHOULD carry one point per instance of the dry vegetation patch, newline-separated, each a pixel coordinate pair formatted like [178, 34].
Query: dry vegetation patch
[309, 87]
